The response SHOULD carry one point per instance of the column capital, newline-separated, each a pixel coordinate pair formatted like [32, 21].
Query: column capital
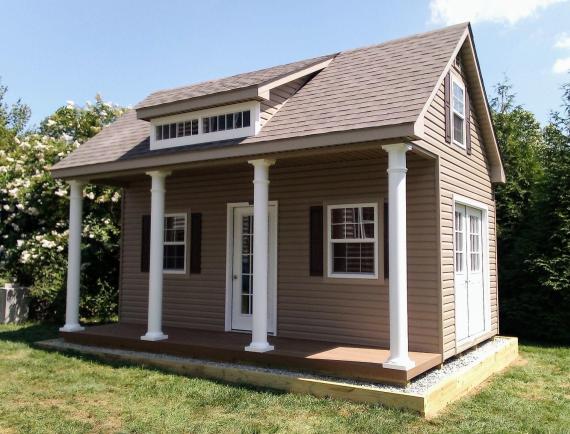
[159, 173]
[264, 162]
[77, 182]
[397, 147]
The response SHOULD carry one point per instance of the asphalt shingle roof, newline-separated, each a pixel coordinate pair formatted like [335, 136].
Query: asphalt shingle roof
[381, 85]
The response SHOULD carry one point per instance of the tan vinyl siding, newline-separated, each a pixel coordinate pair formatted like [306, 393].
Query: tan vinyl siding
[469, 176]
[342, 310]
[279, 96]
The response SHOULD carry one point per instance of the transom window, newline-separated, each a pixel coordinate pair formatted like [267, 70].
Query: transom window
[458, 105]
[174, 243]
[177, 129]
[353, 239]
[229, 121]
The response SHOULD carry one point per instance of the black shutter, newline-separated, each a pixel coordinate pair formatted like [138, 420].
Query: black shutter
[316, 241]
[447, 103]
[467, 124]
[145, 243]
[196, 243]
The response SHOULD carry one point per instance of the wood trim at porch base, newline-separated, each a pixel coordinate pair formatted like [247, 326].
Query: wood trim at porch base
[428, 405]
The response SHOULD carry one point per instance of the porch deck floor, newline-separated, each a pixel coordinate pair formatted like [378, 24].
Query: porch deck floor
[329, 358]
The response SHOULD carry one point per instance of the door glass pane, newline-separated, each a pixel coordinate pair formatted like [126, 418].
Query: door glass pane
[475, 243]
[247, 264]
[459, 242]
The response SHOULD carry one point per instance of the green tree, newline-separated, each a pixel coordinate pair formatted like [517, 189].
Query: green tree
[34, 212]
[521, 142]
[533, 219]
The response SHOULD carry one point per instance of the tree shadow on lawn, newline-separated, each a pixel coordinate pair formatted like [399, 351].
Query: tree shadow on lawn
[30, 333]
[33, 333]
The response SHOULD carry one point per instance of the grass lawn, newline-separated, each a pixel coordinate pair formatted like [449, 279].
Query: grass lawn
[43, 391]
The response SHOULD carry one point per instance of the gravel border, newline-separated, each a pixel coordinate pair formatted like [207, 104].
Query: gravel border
[419, 385]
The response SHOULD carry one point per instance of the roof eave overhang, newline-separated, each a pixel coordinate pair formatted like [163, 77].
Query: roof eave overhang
[260, 92]
[401, 132]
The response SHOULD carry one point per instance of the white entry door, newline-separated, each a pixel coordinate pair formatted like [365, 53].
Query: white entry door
[469, 243]
[242, 268]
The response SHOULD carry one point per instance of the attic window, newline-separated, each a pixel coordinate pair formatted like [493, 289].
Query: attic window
[177, 129]
[228, 121]
[458, 105]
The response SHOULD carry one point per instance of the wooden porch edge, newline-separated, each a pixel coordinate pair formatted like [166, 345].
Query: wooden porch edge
[427, 405]
[469, 378]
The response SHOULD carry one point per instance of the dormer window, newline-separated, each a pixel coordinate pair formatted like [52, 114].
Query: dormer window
[177, 129]
[225, 122]
[219, 123]
[458, 105]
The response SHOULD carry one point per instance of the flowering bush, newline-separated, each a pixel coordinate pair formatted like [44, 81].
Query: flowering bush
[34, 211]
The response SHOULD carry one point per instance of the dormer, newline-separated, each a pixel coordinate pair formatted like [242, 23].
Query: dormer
[225, 109]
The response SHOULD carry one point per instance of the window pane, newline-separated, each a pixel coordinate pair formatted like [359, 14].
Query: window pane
[246, 118]
[458, 99]
[172, 131]
[353, 258]
[368, 214]
[458, 129]
[230, 121]
[337, 232]
[181, 129]
[195, 127]
[368, 230]
[221, 122]
[158, 132]
[213, 124]
[173, 257]
[245, 304]
[339, 265]
[166, 132]
[337, 215]
[188, 128]
[237, 120]
[206, 125]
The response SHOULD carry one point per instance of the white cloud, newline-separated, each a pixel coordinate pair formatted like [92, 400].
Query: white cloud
[561, 66]
[510, 11]
[563, 41]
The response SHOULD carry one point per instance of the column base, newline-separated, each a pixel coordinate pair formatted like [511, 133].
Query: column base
[154, 336]
[399, 363]
[71, 328]
[255, 347]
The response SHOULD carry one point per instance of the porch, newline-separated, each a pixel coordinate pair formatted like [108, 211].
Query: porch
[298, 294]
[328, 358]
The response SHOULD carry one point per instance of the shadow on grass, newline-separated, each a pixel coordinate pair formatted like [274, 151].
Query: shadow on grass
[31, 333]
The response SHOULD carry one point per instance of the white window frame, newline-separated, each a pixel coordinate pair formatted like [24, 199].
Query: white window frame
[330, 242]
[456, 81]
[254, 108]
[177, 243]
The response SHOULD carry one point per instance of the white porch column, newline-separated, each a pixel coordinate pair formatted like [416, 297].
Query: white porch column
[154, 331]
[73, 258]
[259, 342]
[397, 258]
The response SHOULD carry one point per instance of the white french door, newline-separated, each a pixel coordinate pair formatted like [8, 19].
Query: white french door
[242, 268]
[469, 245]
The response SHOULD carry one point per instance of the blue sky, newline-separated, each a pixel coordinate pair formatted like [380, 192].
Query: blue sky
[69, 50]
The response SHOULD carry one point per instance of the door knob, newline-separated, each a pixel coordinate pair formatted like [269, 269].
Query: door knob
[235, 276]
